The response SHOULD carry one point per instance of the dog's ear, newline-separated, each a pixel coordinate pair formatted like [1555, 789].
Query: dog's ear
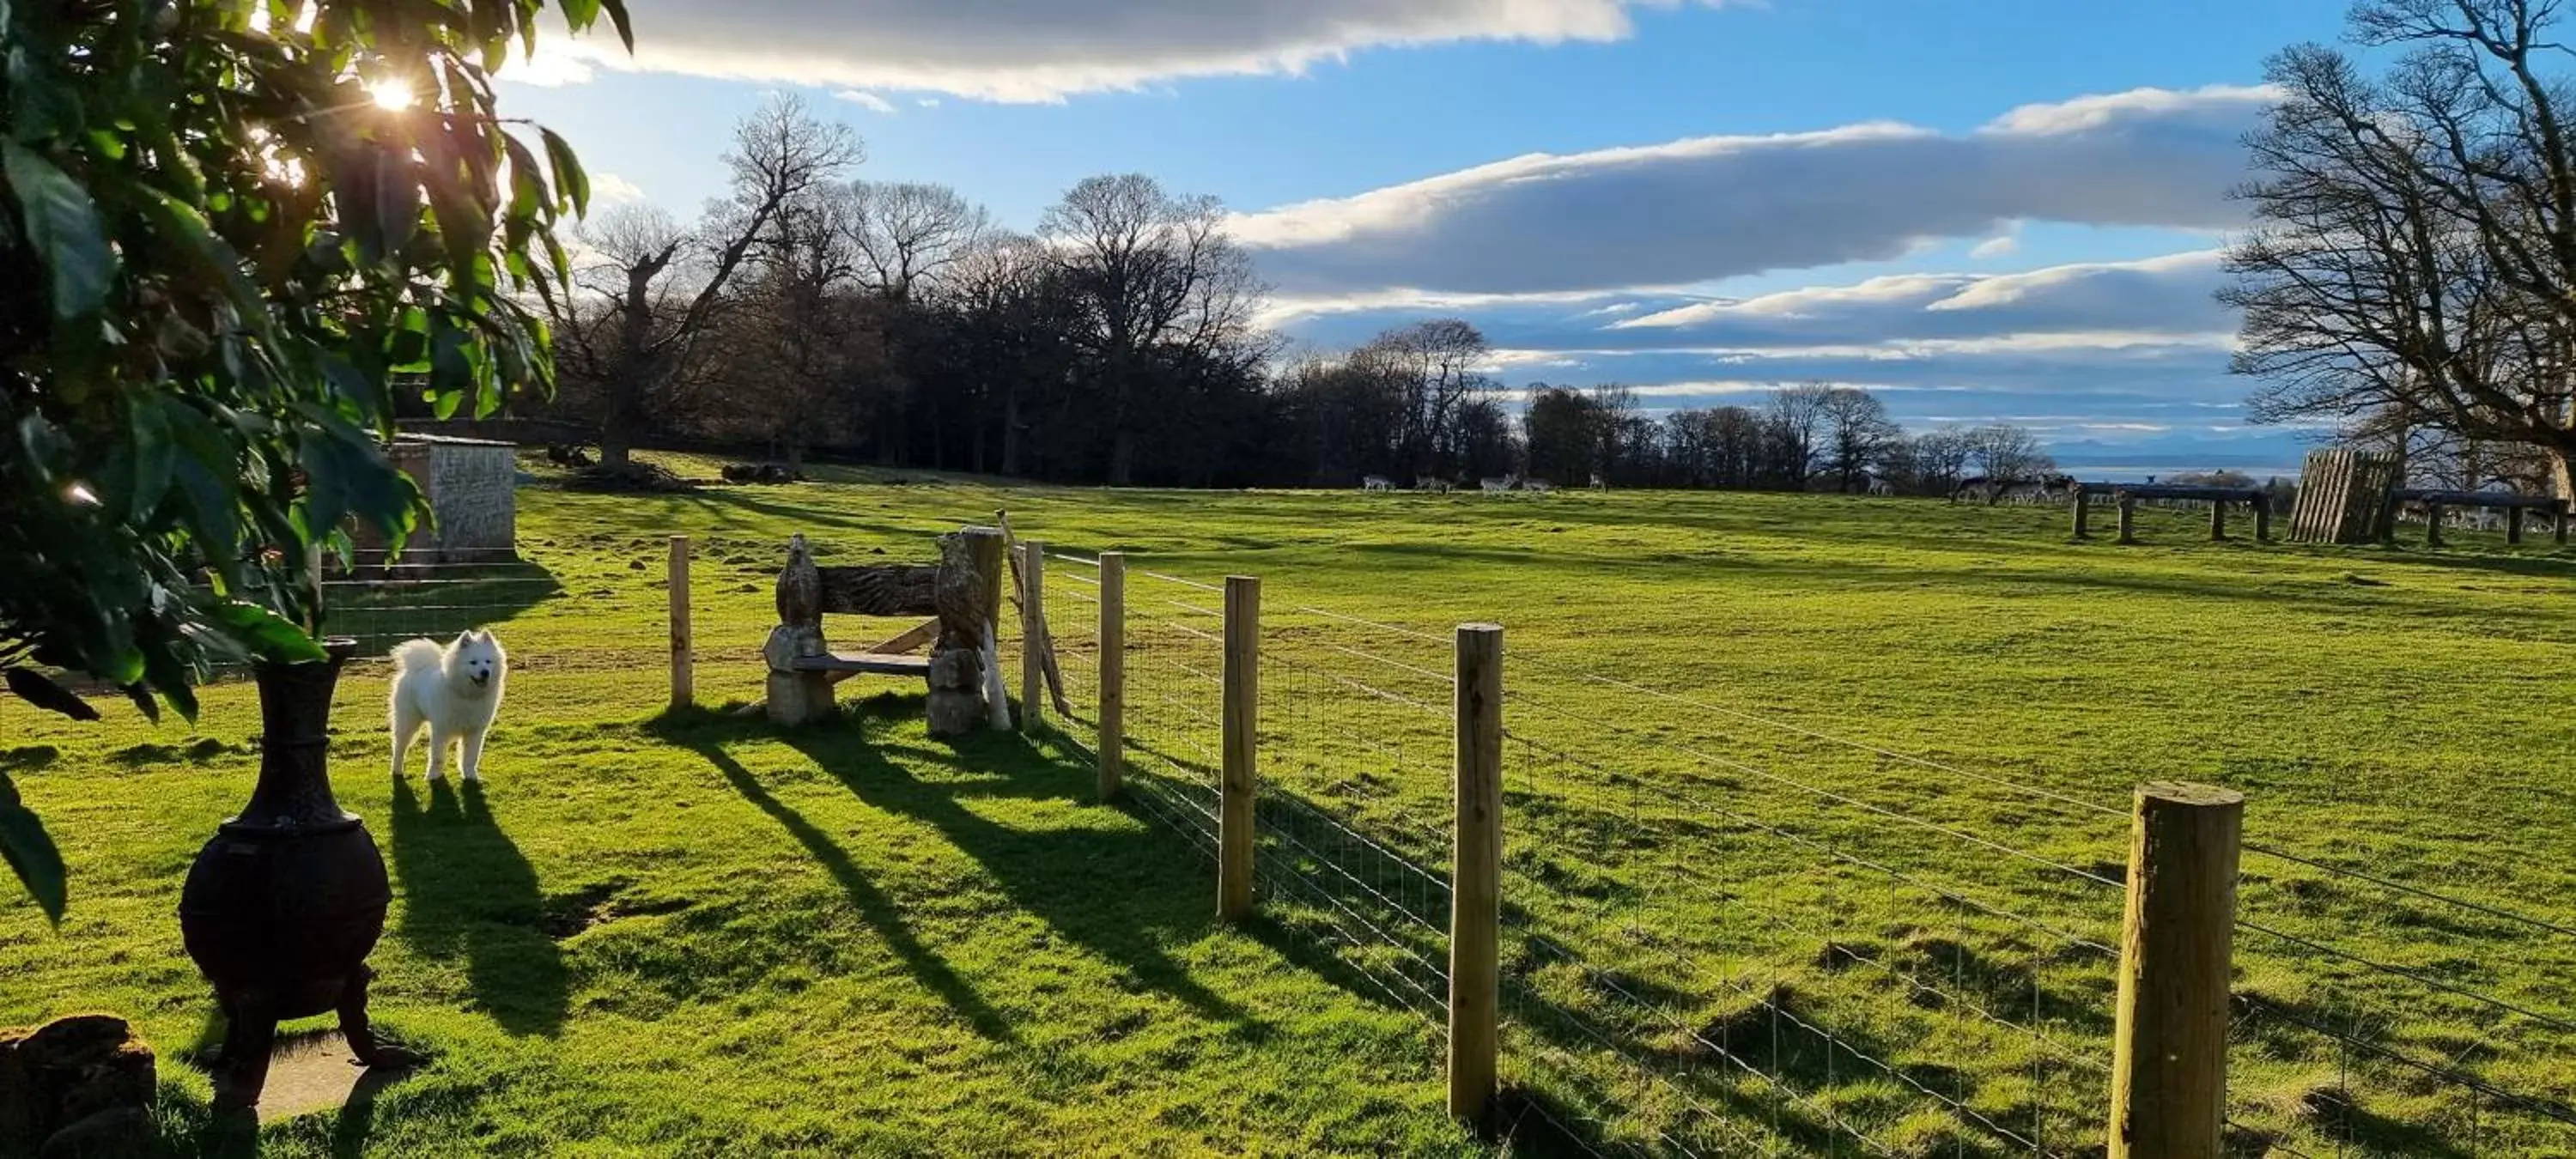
[465, 637]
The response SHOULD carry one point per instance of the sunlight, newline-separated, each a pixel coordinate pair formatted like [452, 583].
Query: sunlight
[392, 94]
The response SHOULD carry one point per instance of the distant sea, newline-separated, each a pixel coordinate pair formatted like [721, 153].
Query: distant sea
[2128, 473]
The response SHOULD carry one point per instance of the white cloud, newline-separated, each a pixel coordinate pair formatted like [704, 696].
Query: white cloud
[610, 189]
[1713, 207]
[554, 64]
[1999, 246]
[867, 100]
[1042, 50]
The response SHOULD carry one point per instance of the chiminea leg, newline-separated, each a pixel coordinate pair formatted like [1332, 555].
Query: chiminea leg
[250, 1031]
[363, 1043]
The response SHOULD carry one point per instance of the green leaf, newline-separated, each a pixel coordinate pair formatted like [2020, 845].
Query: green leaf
[527, 181]
[31, 855]
[186, 231]
[617, 15]
[38, 689]
[63, 227]
[397, 201]
[266, 634]
[354, 385]
[569, 177]
[141, 695]
[154, 449]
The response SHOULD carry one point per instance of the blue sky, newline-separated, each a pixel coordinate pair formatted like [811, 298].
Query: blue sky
[1986, 208]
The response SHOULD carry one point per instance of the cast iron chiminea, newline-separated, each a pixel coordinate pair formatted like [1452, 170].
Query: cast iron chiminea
[282, 907]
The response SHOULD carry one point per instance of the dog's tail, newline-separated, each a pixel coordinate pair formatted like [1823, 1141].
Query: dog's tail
[418, 656]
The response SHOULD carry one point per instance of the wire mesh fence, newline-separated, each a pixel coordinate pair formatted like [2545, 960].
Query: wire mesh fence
[1729, 932]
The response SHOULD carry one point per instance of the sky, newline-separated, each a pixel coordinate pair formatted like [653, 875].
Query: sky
[1982, 209]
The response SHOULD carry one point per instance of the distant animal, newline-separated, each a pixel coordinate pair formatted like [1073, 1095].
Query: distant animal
[2023, 491]
[1432, 483]
[1505, 483]
[1376, 483]
[1599, 483]
[566, 455]
[1878, 485]
[1541, 486]
[1974, 487]
[455, 690]
[761, 473]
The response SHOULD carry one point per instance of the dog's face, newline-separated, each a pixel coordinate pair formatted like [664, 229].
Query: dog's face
[476, 656]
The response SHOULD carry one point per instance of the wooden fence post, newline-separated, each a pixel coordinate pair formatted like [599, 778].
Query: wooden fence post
[2432, 523]
[2513, 526]
[1242, 728]
[684, 678]
[2263, 518]
[1113, 672]
[1032, 636]
[2218, 521]
[2083, 513]
[2128, 518]
[2169, 1051]
[1475, 873]
[2558, 528]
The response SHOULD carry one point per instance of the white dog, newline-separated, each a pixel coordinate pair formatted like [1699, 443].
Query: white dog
[455, 690]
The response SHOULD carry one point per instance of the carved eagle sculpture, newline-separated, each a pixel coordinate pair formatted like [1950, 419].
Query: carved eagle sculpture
[800, 586]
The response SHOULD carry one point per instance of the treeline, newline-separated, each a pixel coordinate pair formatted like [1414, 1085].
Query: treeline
[1117, 344]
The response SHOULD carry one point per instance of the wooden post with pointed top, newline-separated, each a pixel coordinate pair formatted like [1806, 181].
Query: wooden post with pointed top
[2169, 1050]
[1113, 672]
[1033, 640]
[1242, 727]
[1475, 873]
[2083, 513]
[2128, 518]
[684, 678]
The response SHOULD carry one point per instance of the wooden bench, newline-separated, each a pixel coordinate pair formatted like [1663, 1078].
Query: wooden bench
[960, 595]
[843, 665]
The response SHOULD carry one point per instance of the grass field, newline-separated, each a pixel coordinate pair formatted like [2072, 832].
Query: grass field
[1730, 929]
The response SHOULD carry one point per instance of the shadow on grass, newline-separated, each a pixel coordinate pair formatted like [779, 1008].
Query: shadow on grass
[1120, 896]
[467, 892]
[872, 904]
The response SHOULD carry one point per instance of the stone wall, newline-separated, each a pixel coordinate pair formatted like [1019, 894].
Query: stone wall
[471, 485]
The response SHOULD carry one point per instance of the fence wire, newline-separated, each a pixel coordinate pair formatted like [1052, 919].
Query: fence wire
[1727, 931]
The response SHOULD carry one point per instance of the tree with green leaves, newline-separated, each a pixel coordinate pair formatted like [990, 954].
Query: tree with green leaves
[228, 230]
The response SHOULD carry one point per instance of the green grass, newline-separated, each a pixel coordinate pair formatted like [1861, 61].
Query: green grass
[698, 935]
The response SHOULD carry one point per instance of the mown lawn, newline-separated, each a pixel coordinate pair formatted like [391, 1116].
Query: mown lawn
[1730, 930]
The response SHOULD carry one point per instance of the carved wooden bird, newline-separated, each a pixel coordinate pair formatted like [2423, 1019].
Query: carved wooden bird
[800, 586]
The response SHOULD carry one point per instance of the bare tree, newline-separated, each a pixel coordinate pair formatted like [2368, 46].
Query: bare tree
[2005, 453]
[798, 337]
[906, 231]
[1153, 270]
[645, 329]
[2414, 260]
[1433, 365]
[1799, 413]
[1857, 433]
[1941, 459]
